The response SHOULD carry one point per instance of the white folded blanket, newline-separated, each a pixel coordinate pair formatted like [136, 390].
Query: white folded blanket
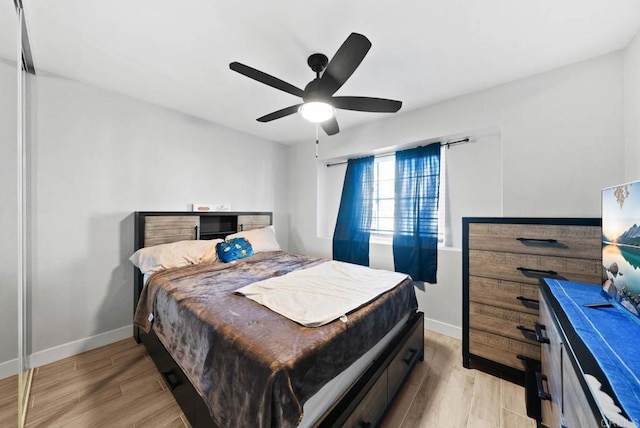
[323, 293]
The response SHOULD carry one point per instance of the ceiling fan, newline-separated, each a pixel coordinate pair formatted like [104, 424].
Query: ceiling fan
[318, 101]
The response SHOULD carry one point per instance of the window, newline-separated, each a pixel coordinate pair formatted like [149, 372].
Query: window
[384, 171]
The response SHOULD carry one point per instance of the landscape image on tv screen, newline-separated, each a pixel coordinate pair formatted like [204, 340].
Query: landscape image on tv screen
[621, 244]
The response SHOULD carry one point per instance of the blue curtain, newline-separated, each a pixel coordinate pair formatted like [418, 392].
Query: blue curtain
[351, 235]
[415, 238]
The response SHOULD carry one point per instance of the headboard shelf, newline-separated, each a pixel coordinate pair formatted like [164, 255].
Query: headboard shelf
[223, 233]
[213, 226]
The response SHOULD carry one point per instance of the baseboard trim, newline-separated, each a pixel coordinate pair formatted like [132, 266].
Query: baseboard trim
[9, 368]
[443, 328]
[70, 349]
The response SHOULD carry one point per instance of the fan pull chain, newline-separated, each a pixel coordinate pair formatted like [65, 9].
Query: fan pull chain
[317, 141]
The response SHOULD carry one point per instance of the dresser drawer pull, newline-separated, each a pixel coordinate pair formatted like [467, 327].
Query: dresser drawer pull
[546, 241]
[364, 424]
[407, 358]
[171, 380]
[542, 394]
[539, 337]
[525, 271]
[526, 332]
[529, 303]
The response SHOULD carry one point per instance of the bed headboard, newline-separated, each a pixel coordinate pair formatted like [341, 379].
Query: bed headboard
[155, 228]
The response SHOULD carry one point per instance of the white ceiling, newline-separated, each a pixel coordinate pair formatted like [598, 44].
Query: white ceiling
[176, 53]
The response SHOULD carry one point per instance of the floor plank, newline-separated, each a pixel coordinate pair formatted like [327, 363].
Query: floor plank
[511, 419]
[9, 401]
[485, 403]
[118, 385]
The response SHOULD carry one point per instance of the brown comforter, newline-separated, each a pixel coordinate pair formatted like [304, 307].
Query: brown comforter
[254, 367]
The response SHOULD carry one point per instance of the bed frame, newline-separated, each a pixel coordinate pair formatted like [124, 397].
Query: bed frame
[366, 401]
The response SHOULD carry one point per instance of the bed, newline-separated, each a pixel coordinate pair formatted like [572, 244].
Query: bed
[230, 361]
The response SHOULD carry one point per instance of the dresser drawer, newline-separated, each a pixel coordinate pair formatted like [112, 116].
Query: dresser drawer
[503, 322]
[530, 269]
[543, 239]
[501, 349]
[505, 294]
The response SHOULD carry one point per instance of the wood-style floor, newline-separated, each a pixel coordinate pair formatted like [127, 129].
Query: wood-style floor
[118, 386]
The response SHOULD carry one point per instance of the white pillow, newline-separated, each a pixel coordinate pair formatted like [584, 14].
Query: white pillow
[263, 239]
[175, 254]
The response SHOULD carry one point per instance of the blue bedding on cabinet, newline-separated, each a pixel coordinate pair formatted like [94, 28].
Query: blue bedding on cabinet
[612, 335]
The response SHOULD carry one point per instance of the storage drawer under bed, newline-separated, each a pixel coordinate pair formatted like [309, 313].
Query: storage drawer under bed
[174, 378]
[371, 409]
[401, 364]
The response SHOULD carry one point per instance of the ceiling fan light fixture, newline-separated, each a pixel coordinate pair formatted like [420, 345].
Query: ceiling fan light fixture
[316, 111]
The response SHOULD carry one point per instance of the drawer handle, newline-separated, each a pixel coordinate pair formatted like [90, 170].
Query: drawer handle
[542, 394]
[171, 380]
[525, 271]
[364, 424]
[529, 303]
[407, 359]
[539, 336]
[547, 241]
[527, 331]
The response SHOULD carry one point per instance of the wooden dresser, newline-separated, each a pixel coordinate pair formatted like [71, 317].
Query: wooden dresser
[503, 261]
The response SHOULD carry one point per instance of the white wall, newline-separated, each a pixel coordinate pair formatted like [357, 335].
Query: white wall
[8, 218]
[96, 157]
[632, 109]
[560, 142]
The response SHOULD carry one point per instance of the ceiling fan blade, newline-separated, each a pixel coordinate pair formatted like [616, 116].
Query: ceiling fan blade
[344, 63]
[280, 113]
[377, 105]
[265, 78]
[330, 126]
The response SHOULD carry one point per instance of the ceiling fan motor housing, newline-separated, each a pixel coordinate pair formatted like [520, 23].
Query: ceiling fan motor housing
[318, 62]
[312, 94]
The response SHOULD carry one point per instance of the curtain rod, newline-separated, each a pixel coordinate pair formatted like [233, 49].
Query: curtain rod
[447, 144]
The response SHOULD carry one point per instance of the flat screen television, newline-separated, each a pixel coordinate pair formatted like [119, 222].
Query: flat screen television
[621, 244]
